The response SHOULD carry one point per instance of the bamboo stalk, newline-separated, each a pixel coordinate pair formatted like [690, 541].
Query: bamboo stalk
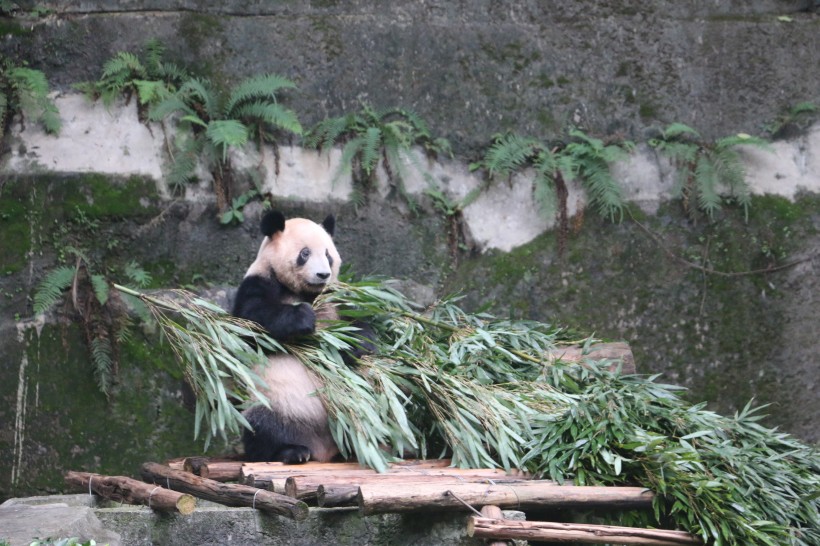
[130, 491]
[224, 493]
[483, 527]
[375, 498]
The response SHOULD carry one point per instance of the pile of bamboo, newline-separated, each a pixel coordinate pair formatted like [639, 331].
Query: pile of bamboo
[407, 486]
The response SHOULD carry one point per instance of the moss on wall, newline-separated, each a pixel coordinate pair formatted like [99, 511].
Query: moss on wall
[715, 334]
[65, 423]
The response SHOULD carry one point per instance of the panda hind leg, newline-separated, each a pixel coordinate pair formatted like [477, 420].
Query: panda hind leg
[267, 441]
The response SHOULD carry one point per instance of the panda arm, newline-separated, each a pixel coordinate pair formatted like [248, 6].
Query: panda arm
[261, 300]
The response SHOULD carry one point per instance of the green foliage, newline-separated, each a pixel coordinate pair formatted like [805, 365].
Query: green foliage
[218, 353]
[796, 118]
[52, 287]
[581, 158]
[588, 159]
[150, 78]
[234, 214]
[214, 122]
[24, 92]
[486, 392]
[102, 313]
[705, 170]
[371, 138]
[8, 7]
[73, 541]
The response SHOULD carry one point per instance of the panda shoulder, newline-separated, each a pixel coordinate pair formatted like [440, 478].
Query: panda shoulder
[255, 288]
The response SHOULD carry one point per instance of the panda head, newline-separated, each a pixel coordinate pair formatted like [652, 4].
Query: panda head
[299, 252]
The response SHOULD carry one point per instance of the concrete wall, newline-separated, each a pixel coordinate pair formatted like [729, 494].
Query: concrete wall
[470, 69]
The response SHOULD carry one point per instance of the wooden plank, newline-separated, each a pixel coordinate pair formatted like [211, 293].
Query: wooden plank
[495, 528]
[376, 498]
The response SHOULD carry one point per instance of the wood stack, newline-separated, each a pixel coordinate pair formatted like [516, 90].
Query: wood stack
[408, 486]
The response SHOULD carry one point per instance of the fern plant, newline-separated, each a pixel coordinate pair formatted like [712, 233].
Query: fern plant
[371, 138]
[796, 119]
[102, 311]
[24, 93]
[706, 169]
[213, 122]
[149, 78]
[580, 157]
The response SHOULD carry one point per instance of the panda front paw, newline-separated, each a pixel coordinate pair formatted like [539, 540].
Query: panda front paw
[293, 454]
[304, 320]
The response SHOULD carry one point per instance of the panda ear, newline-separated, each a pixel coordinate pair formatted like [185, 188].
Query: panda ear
[329, 224]
[272, 222]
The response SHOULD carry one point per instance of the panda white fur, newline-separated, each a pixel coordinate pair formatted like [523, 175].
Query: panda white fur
[296, 261]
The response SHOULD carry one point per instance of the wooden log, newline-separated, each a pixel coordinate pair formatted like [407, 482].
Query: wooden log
[494, 512]
[598, 351]
[332, 496]
[224, 493]
[307, 487]
[273, 476]
[376, 498]
[576, 533]
[222, 471]
[130, 491]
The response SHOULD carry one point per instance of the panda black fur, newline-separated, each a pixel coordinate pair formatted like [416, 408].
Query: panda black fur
[296, 261]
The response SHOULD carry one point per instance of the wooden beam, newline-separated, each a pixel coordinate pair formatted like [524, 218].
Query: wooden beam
[224, 493]
[490, 528]
[130, 491]
[306, 487]
[375, 498]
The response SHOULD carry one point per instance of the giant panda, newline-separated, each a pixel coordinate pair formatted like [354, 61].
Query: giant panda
[296, 261]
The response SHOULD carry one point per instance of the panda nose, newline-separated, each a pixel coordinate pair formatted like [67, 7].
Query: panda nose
[323, 276]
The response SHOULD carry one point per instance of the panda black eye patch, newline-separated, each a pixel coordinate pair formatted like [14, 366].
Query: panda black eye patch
[304, 254]
[329, 258]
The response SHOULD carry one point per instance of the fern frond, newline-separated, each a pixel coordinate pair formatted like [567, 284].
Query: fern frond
[370, 149]
[262, 87]
[122, 67]
[102, 357]
[349, 152]
[31, 88]
[327, 133]
[199, 91]
[225, 133]
[184, 163]
[4, 108]
[169, 106]
[137, 274]
[154, 52]
[171, 73]
[269, 113]
[510, 153]
[51, 288]
[706, 181]
[100, 286]
[151, 91]
[678, 130]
